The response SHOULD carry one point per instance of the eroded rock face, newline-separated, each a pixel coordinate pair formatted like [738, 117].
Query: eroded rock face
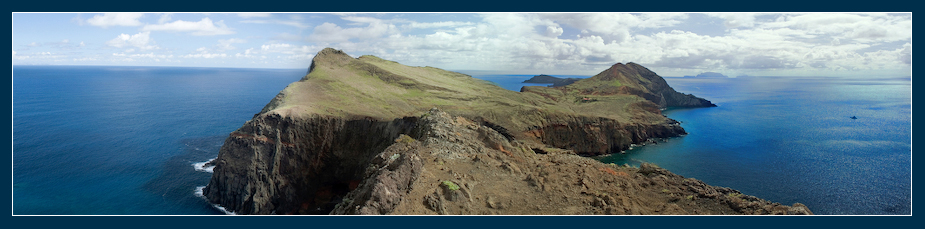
[388, 179]
[456, 166]
[598, 136]
[284, 165]
[309, 152]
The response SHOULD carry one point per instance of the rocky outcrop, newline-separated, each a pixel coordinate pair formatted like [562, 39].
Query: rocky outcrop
[441, 164]
[362, 136]
[456, 166]
[285, 165]
[597, 136]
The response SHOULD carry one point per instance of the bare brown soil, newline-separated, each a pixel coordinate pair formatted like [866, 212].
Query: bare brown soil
[466, 168]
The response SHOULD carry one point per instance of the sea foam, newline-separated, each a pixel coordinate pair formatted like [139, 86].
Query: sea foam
[199, 194]
[201, 166]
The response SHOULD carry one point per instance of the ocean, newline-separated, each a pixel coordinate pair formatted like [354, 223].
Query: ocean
[91, 140]
[94, 140]
[792, 140]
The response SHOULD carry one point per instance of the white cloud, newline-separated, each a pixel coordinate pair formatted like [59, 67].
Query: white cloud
[164, 19]
[553, 31]
[299, 53]
[293, 23]
[735, 20]
[361, 20]
[204, 27]
[533, 41]
[614, 27]
[865, 28]
[253, 15]
[906, 54]
[205, 55]
[331, 33]
[579, 43]
[115, 19]
[428, 25]
[226, 44]
[39, 56]
[141, 40]
[288, 48]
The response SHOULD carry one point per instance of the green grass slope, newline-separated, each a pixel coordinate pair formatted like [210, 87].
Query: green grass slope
[369, 87]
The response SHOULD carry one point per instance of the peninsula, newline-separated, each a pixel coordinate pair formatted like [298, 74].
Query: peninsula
[371, 136]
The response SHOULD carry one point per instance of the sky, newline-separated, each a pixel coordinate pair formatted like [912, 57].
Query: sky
[670, 44]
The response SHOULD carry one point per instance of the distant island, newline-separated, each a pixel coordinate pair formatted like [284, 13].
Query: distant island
[555, 81]
[708, 75]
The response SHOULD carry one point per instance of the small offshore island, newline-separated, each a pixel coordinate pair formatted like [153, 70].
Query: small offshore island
[555, 81]
[371, 136]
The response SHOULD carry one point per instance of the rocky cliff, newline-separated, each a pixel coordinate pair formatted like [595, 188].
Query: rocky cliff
[455, 166]
[366, 136]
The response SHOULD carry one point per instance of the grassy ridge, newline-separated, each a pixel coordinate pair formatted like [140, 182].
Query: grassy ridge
[368, 86]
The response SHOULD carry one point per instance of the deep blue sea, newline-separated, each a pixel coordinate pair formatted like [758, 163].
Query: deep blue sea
[123, 140]
[792, 141]
[97, 140]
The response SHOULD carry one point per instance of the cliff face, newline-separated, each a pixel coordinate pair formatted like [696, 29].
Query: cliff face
[451, 165]
[359, 135]
[285, 165]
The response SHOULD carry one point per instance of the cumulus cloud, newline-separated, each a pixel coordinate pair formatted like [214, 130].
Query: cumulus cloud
[332, 33]
[533, 41]
[735, 20]
[428, 25]
[553, 31]
[141, 40]
[906, 54]
[294, 20]
[285, 51]
[254, 15]
[226, 44]
[116, 19]
[864, 28]
[614, 27]
[204, 27]
[164, 19]
[205, 55]
[579, 43]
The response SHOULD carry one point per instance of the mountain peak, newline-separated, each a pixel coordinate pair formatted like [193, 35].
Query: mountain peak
[329, 55]
[330, 51]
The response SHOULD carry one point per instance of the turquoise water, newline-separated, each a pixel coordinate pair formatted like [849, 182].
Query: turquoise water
[122, 140]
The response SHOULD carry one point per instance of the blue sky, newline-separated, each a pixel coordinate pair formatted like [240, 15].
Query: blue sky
[671, 44]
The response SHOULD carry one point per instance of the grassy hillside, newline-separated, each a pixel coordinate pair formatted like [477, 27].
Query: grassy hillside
[342, 86]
